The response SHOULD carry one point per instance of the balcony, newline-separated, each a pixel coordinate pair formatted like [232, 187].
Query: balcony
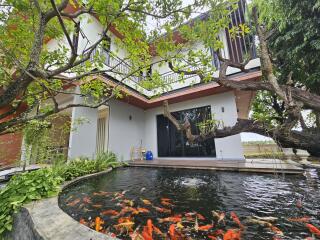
[236, 48]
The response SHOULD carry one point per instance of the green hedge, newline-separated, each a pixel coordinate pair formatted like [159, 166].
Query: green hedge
[46, 182]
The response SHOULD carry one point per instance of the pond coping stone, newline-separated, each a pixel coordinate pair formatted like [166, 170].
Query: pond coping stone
[45, 220]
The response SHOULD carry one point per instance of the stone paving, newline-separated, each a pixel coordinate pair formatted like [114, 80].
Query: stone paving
[247, 165]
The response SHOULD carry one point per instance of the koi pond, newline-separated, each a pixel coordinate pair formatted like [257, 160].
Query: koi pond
[158, 203]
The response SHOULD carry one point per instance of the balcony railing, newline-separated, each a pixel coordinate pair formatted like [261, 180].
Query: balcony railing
[238, 49]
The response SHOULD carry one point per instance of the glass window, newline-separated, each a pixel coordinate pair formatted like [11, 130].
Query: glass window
[173, 143]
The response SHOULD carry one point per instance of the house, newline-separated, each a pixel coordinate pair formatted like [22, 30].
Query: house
[137, 121]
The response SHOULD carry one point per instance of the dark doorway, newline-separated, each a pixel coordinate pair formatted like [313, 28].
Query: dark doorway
[173, 143]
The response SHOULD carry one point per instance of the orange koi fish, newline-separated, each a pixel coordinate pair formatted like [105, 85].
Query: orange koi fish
[86, 199]
[276, 230]
[302, 219]
[124, 219]
[170, 219]
[129, 209]
[205, 227]
[190, 214]
[218, 232]
[146, 202]
[142, 210]
[98, 223]
[172, 231]
[97, 205]
[313, 229]
[200, 217]
[74, 202]
[145, 234]
[212, 237]
[162, 210]
[157, 230]
[101, 193]
[232, 234]
[82, 221]
[110, 212]
[150, 227]
[168, 204]
[236, 219]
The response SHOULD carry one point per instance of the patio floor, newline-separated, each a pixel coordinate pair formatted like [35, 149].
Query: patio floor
[248, 165]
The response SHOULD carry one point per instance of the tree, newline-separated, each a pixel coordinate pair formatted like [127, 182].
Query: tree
[289, 53]
[31, 76]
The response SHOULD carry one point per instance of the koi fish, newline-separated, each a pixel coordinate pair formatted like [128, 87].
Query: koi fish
[196, 225]
[232, 234]
[172, 230]
[179, 225]
[212, 237]
[168, 204]
[268, 219]
[98, 223]
[313, 229]
[145, 234]
[220, 216]
[129, 209]
[86, 200]
[259, 222]
[124, 192]
[142, 210]
[205, 227]
[276, 230]
[150, 227]
[157, 230]
[190, 214]
[82, 221]
[143, 189]
[218, 232]
[299, 203]
[236, 219]
[146, 202]
[162, 210]
[136, 235]
[124, 227]
[169, 219]
[101, 193]
[302, 219]
[200, 217]
[124, 219]
[74, 202]
[129, 202]
[110, 212]
[97, 206]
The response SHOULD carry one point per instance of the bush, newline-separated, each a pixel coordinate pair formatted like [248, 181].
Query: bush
[43, 183]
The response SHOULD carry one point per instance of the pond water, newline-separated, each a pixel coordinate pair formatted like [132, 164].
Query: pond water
[196, 204]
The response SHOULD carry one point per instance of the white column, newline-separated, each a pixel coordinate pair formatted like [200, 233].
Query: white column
[82, 140]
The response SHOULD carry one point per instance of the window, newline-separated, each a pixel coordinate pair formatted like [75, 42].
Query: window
[173, 143]
[106, 46]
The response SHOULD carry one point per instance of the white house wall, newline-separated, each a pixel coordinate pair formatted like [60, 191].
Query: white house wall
[226, 148]
[83, 133]
[123, 132]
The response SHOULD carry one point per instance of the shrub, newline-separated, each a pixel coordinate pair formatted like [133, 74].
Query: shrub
[24, 188]
[43, 183]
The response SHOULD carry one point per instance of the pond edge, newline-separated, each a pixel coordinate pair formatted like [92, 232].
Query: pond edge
[45, 220]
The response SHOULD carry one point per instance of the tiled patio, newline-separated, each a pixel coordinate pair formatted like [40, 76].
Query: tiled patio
[248, 165]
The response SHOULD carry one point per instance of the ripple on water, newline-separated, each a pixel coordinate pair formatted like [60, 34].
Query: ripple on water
[202, 191]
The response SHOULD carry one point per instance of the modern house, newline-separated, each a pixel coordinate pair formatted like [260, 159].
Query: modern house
[137, 121]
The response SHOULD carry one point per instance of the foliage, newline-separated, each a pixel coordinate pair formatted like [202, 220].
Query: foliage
[24, 188]
[209, 125]
[41, 137]
[268, 155]
[46, 182]
[295, 47]
[51, 71]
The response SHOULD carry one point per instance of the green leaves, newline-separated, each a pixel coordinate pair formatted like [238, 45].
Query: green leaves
[44, 183]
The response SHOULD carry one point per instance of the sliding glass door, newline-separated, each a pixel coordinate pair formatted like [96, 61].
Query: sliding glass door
[173, 143]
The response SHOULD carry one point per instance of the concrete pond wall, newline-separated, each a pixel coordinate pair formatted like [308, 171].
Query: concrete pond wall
[44, 220]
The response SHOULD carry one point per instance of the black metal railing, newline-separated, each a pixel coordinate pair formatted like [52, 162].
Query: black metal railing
[239, 48]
